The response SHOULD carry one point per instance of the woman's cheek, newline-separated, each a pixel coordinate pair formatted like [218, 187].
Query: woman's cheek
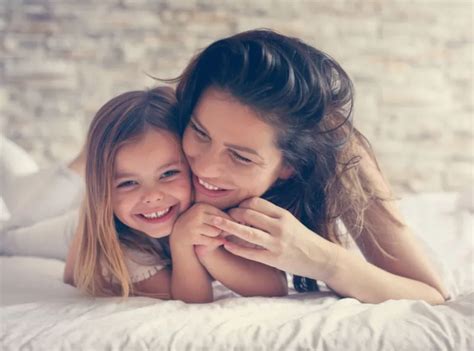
[187, 144]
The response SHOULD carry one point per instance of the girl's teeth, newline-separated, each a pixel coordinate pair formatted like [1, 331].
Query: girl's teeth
[207, 185]
[156, 214]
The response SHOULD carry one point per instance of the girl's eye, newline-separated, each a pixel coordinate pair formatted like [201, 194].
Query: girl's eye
[239, 158]
[127, 184]
[202, 135]
[169, 173]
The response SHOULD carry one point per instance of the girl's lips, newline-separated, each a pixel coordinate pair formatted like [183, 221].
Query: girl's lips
[162, 219]
[211, 193]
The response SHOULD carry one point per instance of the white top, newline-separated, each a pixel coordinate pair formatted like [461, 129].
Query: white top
[141, 265]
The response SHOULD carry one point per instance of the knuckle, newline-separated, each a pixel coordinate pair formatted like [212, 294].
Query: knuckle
[236, 213]
[253, 201]
[250, 234]
[199, 207]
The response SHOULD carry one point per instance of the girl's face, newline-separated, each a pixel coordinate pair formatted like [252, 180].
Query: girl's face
[231, 152]
[151, 185]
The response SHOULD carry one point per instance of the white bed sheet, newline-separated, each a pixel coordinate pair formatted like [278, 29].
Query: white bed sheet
[39, 312]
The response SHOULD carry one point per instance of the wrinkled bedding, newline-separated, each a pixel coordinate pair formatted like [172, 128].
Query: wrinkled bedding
[39, 312]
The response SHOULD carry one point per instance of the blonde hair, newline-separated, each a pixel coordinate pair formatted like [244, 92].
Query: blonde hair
[120, 120]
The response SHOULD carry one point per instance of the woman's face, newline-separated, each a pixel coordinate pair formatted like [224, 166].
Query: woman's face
[232, 152]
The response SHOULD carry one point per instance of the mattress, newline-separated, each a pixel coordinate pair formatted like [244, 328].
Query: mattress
[39, 312]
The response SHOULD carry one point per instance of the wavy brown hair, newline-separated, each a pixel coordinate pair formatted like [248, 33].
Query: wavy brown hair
[121, 120]
[307, 96]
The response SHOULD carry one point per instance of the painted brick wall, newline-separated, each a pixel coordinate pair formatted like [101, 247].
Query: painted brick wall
[411, 61]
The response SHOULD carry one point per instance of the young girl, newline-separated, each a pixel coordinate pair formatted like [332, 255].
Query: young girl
[137, 184]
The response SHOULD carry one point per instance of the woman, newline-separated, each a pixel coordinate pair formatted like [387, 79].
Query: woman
[267, 127]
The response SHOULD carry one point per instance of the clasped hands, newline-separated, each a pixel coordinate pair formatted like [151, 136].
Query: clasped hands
[256, 230]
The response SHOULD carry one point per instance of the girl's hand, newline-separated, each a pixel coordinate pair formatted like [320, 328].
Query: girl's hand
[194, 228]
[284, 242]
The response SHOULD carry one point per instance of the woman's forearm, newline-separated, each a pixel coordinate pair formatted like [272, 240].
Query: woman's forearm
[350, 275]
[245, 277]
[190, 281]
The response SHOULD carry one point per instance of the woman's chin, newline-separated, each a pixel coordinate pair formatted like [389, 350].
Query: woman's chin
[220, 203]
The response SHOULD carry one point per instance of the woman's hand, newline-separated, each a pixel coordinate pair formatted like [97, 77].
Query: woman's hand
[284, 242]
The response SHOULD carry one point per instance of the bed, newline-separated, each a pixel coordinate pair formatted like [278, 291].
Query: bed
[39, 312]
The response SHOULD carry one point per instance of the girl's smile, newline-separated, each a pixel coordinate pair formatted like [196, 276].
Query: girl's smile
[158, 216]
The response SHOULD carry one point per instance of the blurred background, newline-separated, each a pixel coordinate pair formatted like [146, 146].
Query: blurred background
[411, 62]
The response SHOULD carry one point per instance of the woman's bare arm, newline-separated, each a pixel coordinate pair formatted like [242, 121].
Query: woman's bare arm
[400, 268]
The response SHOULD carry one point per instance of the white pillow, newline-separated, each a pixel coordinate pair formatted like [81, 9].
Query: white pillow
[14, 161]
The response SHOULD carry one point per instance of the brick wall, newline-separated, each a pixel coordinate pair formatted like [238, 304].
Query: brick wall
[411, 61]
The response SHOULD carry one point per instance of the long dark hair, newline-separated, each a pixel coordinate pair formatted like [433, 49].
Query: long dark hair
[308, 97]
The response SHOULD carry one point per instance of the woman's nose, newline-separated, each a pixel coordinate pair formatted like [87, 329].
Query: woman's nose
[207, 165]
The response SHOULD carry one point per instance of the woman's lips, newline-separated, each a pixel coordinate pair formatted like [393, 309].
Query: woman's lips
[200, 188]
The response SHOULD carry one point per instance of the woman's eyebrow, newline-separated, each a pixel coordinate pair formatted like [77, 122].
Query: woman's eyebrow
[244, 149]
[234, 146]
[196, 121]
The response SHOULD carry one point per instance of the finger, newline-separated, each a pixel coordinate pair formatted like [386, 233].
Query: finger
[210, 230]
[253, 218]
[203, 209]
[252, 235]
[263, 206]
[208, 241]
[213, 211]
[258, 255]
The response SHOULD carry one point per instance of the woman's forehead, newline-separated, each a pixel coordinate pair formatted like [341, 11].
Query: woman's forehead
[224, 117]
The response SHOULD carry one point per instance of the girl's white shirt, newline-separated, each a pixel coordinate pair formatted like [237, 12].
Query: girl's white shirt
[141, 265]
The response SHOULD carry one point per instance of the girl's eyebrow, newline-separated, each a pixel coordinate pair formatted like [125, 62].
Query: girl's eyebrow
[195, 120]
[119, 175]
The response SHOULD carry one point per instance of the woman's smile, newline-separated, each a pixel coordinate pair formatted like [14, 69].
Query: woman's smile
[209, 189]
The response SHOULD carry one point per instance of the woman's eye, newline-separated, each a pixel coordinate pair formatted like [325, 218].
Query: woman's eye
[127, 184]
[169, 173]
[239, 158]
[198, 131]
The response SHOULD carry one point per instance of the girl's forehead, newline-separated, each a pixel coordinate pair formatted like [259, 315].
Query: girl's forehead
[154, 145]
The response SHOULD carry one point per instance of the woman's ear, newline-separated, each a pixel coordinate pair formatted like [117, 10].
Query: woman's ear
[286, 172]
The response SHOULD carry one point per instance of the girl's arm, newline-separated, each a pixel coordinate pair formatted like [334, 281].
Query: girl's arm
[245, 277]
[157, 286]
[190, 282]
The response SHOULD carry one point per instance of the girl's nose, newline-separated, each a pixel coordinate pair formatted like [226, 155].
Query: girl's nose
[151, 196]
